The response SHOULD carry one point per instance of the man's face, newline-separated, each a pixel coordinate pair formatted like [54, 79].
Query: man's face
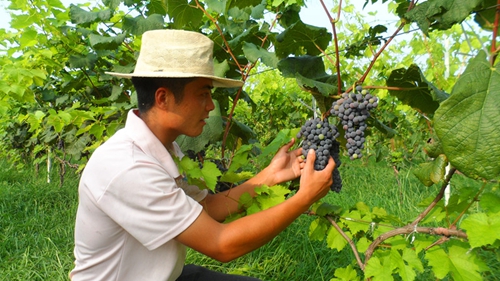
[191, 112]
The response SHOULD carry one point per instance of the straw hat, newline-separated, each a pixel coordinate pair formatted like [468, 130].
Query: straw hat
[177, 54]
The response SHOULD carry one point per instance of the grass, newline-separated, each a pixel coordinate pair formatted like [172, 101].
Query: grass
[36, 226]
[37, 221]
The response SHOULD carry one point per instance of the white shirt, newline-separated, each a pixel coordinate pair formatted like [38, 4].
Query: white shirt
[131, 208]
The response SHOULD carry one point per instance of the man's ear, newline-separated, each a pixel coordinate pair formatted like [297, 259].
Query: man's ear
[163, 97]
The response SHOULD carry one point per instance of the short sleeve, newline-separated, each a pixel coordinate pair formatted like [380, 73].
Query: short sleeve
[148, 204]
[192, 191]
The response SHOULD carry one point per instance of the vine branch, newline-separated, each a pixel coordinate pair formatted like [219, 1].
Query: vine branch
[375, 57]
[409, 229]
[349, 240]
[336, 42]
[439, 196]
[475, 199]
[494, 50]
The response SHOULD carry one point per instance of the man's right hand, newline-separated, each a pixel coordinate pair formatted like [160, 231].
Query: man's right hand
[314, 185]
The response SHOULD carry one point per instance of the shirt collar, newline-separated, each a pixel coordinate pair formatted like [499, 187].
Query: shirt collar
[149, 143]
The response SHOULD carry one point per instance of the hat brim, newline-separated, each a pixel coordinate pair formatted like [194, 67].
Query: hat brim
[218, 82]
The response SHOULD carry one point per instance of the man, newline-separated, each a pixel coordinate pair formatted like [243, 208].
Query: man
[136, 215]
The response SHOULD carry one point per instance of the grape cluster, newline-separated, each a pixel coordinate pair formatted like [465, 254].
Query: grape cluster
[319, 135]
[353, 109]
[337, 180]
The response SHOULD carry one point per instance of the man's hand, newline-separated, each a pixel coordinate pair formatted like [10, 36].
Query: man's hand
[314, 185]
[285, 165]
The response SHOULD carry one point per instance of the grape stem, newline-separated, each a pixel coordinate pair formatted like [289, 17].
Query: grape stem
[475, 199]
[439, 196]
[375, 57]
[494, 49]
[336, 42]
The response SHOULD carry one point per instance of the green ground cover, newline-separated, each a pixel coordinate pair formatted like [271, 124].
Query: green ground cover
[37, 220]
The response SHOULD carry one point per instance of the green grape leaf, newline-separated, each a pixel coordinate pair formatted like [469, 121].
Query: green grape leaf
[86, 62]
[189, 167]
[323, 209]
[112, 4]
[433, 147]
[422, 242]
[76, 147]
[253, 53]
[412, 259]
[490, 202]
[140, 24]
[482, 229]
[441, 14]
[97, 130]
[217, 6]
[253, 208]
[184, 14]
[210, 173]
[301, 39]
[241, 130]
[384, 129]
[244, 3]
[21, 22]
[282, 138]
[354, 225]
[378, 271]
[436, 215]
[35, 119]
[461, 264]
[467, 122]
[363, 244]
[309, 72]
[289, 15]
[307, 66]
[106, 42]
[416, 91]
[269, 197]
[240, 158]
[320, 89]
[345, 274]
[220, 68]
[405, 271]
[233, 177]
[258, 11]
[363, 208]
[85, 18]
[28, 38]
[432, 172]
[156, 7]
[335, 240]
[317, 229]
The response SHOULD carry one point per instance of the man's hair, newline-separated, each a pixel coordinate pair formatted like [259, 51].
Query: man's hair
[147, 86]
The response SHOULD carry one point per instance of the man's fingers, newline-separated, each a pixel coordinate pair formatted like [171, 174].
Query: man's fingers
[311, 157]
[287, 146]
[331, 165]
